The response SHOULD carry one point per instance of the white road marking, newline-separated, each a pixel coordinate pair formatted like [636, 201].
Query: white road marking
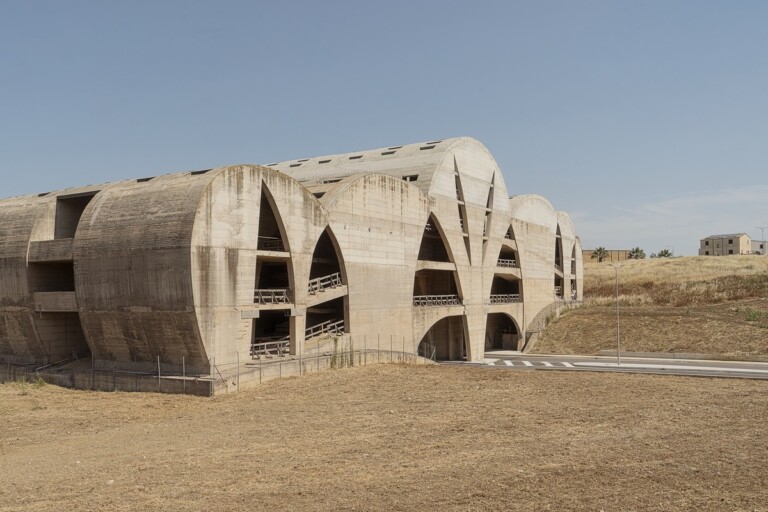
[567, 365]
[489, 361]
[527, 363]
[672, 367]
[508, 363]
[546, 363]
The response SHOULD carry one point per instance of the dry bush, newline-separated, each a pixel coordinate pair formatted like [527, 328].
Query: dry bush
[679, 281]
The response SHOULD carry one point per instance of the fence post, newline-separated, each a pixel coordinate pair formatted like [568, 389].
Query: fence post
[184, 374]
[159, 388]
[391, 349]
[238, 370]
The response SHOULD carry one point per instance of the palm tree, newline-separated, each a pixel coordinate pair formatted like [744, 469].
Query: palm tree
[636, 254]
[665, 253]
[600, 254]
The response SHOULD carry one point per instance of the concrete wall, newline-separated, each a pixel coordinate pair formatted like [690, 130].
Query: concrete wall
[164, 270]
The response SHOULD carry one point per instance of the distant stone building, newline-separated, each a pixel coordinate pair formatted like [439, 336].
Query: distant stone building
[613, 255]
[725, 245]
[758, 247]
[195, 271]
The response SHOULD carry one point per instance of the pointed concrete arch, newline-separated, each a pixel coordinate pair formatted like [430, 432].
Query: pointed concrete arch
[271, 208]
[427, 253]
[502, 332]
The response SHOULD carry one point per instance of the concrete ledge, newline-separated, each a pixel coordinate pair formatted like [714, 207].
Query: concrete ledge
[51, 250]
[687, 355]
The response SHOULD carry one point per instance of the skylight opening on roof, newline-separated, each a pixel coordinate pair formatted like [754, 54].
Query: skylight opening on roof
[395, 147]
[324, 161]
[355, 157]
[144, 180]
[196, 173]
[389, 152]
[295, 165]
[422, 148]
[435, 142]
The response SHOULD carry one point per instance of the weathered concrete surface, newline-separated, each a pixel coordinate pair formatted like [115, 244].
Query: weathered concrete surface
[417, 244]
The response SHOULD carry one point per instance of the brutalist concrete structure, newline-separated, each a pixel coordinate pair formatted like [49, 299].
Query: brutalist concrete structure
[421, 243]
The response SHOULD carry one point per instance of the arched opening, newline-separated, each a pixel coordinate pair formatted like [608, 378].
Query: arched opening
[329, 314]
[462, 209]
[510, 234]
[501, 333]
[271, 232]
[435, 288]
[558, 250]
[508, 257]
[505, 290]
[574, 284]
[433, 246]
[445, 340]
[270, 335]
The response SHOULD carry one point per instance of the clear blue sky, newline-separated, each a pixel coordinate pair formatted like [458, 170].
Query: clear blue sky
[646, 120]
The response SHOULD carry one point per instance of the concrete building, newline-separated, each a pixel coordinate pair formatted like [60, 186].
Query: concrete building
[724, 245]
[758, 247]
[186, 272]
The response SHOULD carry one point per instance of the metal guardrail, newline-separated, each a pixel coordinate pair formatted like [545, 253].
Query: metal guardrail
[436, 300]
[506, 263]
[328, 327]
[267, 243]
[558, 267]
[272, 296]
[320, 284]
[559, 291]
[505, 298]
[278, 347]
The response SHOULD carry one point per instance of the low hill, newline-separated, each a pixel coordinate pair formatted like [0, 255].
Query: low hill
[693, 305]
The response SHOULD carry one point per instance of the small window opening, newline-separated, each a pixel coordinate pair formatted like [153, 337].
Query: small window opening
[395, 147]
[412, 177]
[422, 148]
[295, 165]
[318, 194]
[196, 173]
[144, 180]
[332, 180]
[356, 157]
[43, 194]
[389, 153]
[324, 161]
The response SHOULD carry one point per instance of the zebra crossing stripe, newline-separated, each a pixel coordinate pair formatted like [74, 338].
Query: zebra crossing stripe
[527, 363]
[508, 363]
[546, 363]
[567, 365]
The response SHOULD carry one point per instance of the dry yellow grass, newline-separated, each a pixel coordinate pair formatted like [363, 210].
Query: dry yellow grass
[393, 438]
[696, 304]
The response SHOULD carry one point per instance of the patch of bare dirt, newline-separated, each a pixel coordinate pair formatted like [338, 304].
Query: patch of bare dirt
[393, 438]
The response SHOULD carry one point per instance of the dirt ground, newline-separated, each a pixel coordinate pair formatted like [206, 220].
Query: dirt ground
[393, 437]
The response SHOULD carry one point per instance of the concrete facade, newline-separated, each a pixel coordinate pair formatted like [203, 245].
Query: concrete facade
[418, 243]
[725, 245]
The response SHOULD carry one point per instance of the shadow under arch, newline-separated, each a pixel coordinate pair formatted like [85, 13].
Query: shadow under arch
[327, 273]
[502, 332]
[446, 340]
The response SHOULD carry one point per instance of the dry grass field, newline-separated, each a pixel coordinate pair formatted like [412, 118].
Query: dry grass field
[393, 438]
[694, 304]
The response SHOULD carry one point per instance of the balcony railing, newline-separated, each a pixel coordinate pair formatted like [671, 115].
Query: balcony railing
[328, 327]
[558, 267]
[268, 243]
[320, 284]
[559, 291]
[508, 236]
[436, 300]
[275, 296]
[506, 263]
[505, 298]
[278, 347]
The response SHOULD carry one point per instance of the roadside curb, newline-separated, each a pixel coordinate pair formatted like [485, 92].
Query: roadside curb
[687, 355]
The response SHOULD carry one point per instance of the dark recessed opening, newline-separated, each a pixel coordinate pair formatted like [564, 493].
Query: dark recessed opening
[323, 161]
[389, 153]
[69, 209]
[318, 194]
[144, 180]
[411, 177]
[295, 165]
[356, 157]
[422, 148]
[195, 173]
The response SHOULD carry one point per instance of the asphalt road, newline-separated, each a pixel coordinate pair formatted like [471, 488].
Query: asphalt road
[514, 361]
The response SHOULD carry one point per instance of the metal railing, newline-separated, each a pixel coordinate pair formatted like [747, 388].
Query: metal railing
[429, 228]
[559, 291]
[268, 243]
[506, 263]
[505, 298]
[436, 300]
[272, 296]
[508, 236]
[279, 347]
[320, 284]
[328, 327]
[558, 267]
